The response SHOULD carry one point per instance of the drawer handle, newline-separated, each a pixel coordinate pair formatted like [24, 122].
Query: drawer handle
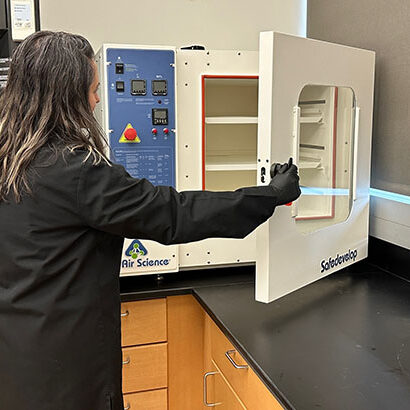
[206, 391]
[126, 361]
[237, 366]
[128, 407]
[125, 314]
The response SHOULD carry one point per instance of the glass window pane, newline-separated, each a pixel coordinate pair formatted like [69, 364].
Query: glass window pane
[325, 156]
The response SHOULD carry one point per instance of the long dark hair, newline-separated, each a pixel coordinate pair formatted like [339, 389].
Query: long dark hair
[46, 102]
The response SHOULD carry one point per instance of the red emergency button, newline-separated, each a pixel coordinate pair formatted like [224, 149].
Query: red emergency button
[130, 134]
[154, 131]
[166, 131]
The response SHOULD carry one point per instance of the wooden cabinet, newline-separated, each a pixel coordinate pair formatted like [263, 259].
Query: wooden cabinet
[145, 354]
[169, 344]
[241, 378]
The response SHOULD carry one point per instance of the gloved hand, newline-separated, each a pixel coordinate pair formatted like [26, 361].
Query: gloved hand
[285, 181]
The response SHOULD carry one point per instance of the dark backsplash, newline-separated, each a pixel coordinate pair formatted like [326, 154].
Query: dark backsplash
[389, 257]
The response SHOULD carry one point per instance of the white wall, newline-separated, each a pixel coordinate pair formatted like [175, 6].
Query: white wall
[216, 24]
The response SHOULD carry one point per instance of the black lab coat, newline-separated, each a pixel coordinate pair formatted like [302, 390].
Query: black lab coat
[60, 251]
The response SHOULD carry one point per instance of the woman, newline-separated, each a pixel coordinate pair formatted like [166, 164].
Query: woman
[64, 211]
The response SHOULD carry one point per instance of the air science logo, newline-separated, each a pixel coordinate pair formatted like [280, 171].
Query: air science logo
[136, 249]
[135, 257]
[338, 260]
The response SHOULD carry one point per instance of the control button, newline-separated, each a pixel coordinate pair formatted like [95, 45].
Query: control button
[154, 131]
[119, 86]
[130, 134]
[166, 131]
[119, 68]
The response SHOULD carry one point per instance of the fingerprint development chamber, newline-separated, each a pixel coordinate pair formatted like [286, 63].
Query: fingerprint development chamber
[217, 120]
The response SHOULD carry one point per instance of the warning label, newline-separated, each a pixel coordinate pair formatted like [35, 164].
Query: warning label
[129, 135]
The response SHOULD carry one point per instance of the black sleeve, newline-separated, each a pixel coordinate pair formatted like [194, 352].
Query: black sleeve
[110, 200]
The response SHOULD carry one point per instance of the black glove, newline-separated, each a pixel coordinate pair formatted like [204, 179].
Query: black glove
[285, 181]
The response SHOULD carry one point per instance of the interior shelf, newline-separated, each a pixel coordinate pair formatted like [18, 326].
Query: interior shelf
[311, 116]
[231, 120]
[311, 120]
[309, 163]
[230, 163]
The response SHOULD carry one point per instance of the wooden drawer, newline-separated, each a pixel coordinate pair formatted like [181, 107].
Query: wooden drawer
[145, 367]
[247, 385]
[144, 322]
[147, 400]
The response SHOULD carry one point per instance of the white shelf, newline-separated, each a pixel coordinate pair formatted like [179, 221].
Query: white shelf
[230, 163]
[309, 163]
[311, 120]
[231, 120]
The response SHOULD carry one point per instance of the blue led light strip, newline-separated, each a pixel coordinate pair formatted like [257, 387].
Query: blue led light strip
[390, 196]
[323, 191]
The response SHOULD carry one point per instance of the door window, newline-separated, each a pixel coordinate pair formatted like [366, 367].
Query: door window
[324, 156]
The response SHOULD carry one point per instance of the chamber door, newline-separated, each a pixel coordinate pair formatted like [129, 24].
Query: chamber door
[315, 105]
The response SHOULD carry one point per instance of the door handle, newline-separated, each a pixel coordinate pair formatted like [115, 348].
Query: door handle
[296, 144]
[356, 113]
[126, 361]
[206, 391]
[234, 364]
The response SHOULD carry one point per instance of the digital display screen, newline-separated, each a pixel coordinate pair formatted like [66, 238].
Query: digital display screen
[159, 87]
[160, 116]
[138, 87]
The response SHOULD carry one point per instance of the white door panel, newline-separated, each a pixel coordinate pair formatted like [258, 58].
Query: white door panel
[312, 90]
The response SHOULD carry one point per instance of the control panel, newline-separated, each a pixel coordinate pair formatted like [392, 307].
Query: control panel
[141, 112]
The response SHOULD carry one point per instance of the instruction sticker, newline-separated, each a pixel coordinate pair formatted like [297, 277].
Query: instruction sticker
[22, 19]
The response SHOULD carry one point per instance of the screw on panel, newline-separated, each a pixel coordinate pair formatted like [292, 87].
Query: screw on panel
[172, 64]
[186, 84]
[208, 253]
[187, 254]
[110, 131]
[186, 62]
[207, 53]
[239, 53]
[208, 63]
[186, 146]
[237, 260]
[108, 63]
[173, 256]
[160, 278]
[186, 176]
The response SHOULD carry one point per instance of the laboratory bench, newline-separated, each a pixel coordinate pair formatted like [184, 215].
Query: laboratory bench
[342, 342]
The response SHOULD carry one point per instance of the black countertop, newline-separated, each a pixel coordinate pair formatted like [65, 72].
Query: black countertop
[342, 342]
